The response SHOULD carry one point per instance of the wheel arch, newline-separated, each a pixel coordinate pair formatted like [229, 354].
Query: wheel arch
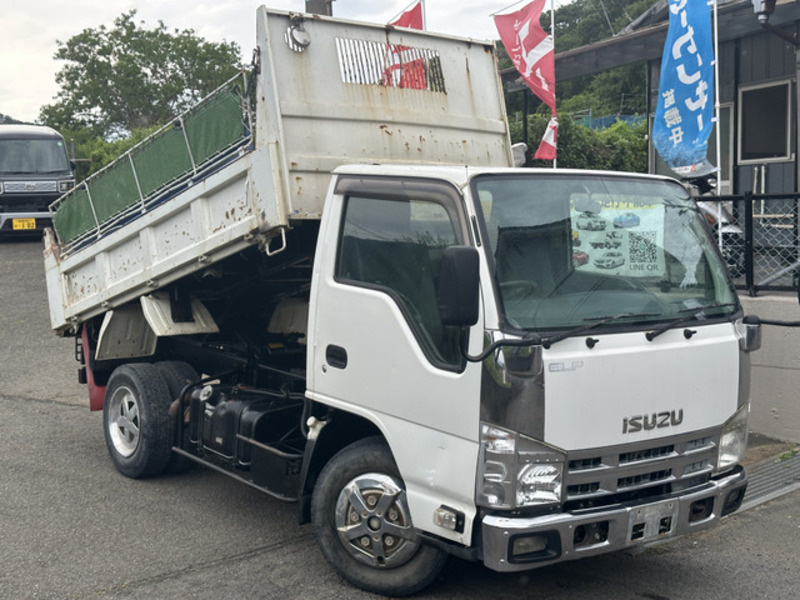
[341, 430]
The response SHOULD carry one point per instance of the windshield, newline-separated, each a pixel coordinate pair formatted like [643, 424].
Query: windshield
[572, 249]
[28, 157]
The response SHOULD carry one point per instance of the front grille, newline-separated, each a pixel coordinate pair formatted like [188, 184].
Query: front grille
[586, 463]
[647, 454]
[30, 187]
[25, 203]
[607, 475]
[625, 483]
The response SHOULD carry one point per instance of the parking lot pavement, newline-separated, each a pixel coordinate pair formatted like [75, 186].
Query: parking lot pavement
[72, 528]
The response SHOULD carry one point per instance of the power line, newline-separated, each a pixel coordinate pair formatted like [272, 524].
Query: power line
[605, 12]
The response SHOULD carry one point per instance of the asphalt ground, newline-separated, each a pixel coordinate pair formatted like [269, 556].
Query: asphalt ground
[72, 528]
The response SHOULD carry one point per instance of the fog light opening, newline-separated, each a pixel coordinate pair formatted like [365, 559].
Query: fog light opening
[538, 547]
[590, 534]
[733, 501]
[665, 526]
[701, 510]
[529, 545]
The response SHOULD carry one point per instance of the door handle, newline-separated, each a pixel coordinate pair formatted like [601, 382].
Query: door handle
[336, 356]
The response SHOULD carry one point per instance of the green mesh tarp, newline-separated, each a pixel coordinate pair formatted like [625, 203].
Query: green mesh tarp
[74, 216]
[113, 190]
[212, 126]
[162, 159]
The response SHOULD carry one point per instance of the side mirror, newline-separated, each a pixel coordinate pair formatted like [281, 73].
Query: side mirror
[458, 288]
[750, 333]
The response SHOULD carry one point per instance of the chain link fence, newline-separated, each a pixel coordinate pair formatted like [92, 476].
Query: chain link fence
[758, 236]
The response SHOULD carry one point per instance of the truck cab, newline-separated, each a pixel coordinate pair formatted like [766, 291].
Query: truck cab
[34, 171]
[579, 396]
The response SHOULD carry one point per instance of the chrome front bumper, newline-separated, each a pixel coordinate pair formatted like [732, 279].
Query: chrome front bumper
[516, 544]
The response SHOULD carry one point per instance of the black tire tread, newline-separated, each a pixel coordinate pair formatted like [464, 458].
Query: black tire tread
[177, 374]
[366, 455]
[155, 443]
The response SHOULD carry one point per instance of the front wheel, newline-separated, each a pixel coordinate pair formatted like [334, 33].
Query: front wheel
[136, 420]
[363, 526]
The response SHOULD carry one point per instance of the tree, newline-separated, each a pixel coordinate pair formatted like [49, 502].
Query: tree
[616, 91]
[129, 77]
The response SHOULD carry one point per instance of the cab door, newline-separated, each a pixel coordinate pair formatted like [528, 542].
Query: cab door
[379, 348]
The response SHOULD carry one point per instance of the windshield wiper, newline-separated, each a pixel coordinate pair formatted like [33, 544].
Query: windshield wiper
[549, 341]
[697, 312]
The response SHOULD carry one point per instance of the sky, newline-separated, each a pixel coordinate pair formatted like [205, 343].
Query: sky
[31, 31]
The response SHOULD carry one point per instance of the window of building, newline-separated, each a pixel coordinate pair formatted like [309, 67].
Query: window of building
[764, 123]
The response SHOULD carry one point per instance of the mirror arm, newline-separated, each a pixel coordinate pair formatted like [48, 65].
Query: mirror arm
[534, 340]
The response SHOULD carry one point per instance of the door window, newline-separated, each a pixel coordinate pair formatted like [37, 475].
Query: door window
[395, 244]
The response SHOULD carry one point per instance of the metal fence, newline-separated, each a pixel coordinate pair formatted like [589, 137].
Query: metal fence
[758, 235]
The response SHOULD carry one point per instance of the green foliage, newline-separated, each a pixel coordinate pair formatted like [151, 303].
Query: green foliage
[617, 91]
[129, 77]
[94, 152]
[617, 148]
[583, 22]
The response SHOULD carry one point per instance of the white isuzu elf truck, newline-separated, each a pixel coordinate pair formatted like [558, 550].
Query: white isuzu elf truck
[301, 284]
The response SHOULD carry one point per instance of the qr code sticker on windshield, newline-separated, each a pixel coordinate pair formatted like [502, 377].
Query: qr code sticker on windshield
[642, 247]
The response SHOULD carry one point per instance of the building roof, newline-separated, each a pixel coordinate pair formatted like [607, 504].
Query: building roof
[644, 38]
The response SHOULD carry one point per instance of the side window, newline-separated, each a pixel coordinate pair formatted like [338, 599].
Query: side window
[396, 245]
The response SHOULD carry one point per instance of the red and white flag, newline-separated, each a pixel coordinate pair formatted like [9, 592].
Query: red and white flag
[405, 68]
[411, 17]
[547, 149]
[532, 52]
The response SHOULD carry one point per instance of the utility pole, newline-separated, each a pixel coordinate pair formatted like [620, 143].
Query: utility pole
[320, 7]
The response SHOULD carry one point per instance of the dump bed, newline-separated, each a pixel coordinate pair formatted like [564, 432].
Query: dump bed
[238, 168]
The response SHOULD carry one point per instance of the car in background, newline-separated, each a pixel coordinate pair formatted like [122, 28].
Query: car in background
[34, 171]
[579, 258]
[590, 222]
[626, 220]
[610, 260]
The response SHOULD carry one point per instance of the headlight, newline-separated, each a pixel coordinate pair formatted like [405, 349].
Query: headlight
[65, 186]
[538, 484]
[733, 443]
[1, 187]
[516, 471]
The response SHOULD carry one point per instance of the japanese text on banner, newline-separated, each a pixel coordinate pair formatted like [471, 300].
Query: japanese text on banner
[685, 108]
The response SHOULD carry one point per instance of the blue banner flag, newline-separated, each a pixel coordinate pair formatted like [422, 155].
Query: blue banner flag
[685, 109]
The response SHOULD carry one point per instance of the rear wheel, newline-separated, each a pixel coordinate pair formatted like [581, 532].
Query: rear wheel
[136, 420]
[177, 375]
[363, 524]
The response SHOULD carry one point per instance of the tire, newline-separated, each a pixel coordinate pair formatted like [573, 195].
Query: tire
[363, 526]
[177, 375]
[136, 420]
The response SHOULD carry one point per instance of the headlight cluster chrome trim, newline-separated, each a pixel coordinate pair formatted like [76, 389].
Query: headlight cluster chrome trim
[515, 471]
[733, 441]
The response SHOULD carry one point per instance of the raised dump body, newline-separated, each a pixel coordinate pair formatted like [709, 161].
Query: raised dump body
[240, 167]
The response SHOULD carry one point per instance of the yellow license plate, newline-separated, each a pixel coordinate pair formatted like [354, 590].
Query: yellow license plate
[23, 223]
